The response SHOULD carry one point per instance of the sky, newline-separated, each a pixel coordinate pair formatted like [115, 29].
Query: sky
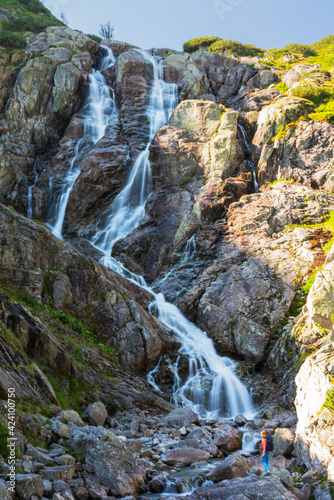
[170, 23]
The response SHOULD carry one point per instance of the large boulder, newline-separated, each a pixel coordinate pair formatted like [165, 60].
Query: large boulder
[185, 456]
[298, 73]
[180, 417]
[251, 487]
[283, 442]
[234, 465]
[28, 485]
[228, 438]
[95, 414]
[114, 464]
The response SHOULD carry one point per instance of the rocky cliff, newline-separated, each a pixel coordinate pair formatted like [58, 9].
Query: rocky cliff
[237, 232]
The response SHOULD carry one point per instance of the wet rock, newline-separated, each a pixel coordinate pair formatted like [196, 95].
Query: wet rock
[180, 417]
[28, 485]
[95, 414]
[228, 438]
[240, 420]
[158, 482]
[283, 442]
[185, 456]
[118, 47]
[233, 466]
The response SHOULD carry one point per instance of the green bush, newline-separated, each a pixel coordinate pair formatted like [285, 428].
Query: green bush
[34, 6]
[323, 43]
[197, 43]
[236, 48]
[324, 113]
[8, 39]
[96, 38]
[315, 94]
[297, 48]
[30, 23]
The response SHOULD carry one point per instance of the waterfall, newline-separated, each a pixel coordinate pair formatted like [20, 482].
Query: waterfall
[211, 387]
[30, 194]
[250, 163]
[97, 112]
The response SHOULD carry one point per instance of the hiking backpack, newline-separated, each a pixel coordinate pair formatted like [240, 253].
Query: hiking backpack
[270, 443]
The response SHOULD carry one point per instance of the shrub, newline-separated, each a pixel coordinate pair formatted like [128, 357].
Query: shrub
[315, 94]
[30, 23]
[196, 43]
[8, 39]
[323, 43]
[96, 38]
[324, 113]
[298, 48]
[236, 48]
[34, 6]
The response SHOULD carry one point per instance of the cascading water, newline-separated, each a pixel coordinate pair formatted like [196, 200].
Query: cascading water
[97, 113]
[250, 163]
[30, 195]
[212, 387]
[128, 208]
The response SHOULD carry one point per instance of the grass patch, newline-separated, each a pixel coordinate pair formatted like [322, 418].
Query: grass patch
[24, 406]
[73, 53]
[327, 224]
[198, 43]
[310, 280]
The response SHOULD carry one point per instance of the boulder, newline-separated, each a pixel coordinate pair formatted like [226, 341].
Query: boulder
[4, 493]
[118, 47]
[251, 487]
[158, 482]
[185, 456]
[283, 442]
[228, 438]
[297, 73]
[262, 79]
[112, 461]
[180, 417]
[311, 477]
[234, 465]
[28, 485]
[58, 473]
[63, 489]
[38, 456]
[95, 414]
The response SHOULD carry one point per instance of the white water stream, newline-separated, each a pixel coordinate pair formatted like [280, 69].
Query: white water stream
[98, 111]
[250, 163]
[211, 387]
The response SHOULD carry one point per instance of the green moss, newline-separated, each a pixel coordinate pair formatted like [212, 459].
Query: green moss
[24, 406]
[197, 43]
[28, 23]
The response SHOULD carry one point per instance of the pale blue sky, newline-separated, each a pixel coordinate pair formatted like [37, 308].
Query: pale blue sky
[169, 23]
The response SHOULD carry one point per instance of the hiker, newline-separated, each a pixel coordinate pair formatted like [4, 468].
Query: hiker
[266, 446]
